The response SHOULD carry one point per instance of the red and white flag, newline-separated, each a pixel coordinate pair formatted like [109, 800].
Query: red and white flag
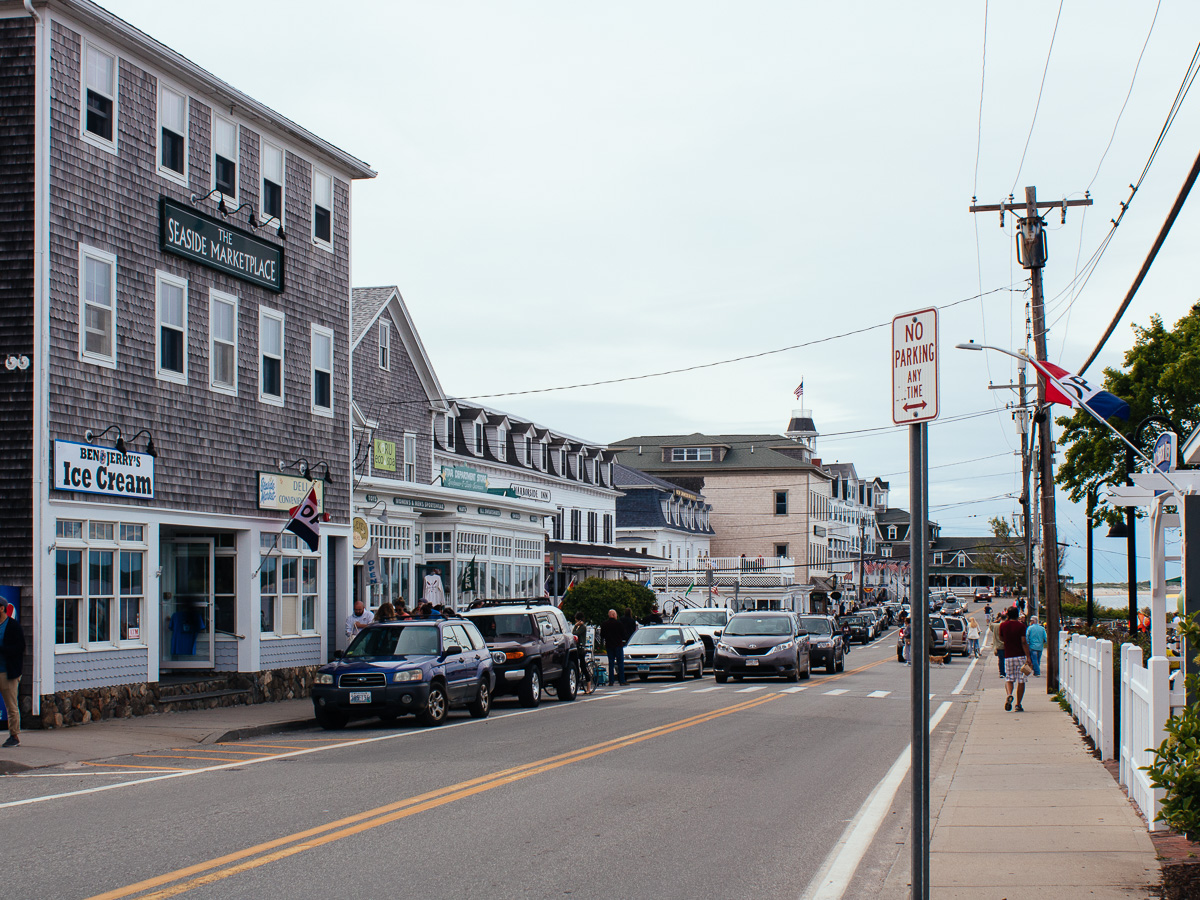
[1073, 390]
[305, 522]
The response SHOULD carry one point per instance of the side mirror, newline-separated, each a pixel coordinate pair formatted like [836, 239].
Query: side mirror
[338, 654]
[452, 650]
[689, 642]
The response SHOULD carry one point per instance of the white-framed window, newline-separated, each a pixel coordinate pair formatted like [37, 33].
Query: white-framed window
[608, 528]
[886, 551]
[527, 549]
[501, 444]
[98, 112]
[288, 586]
[410, 457]
[528, 450]
[322, 208]
[449, 432]
[222, 342]
[171, 293]
[97, 306]
[479, 439]
[99, 583]
[226, 142]
[961, 560]
[270, 356]
[270, 197]
[172, 134]
[385, 345]
[438, 542]
[937, 559]
[502, 546]
[545, 454]
[321, 344]
[472, 543]
[691, 454]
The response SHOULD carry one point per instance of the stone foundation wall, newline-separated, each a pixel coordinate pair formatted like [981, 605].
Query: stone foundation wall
[149, 698]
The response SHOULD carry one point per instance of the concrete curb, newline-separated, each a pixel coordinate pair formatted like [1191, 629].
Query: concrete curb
[12, 767]
[240, 734]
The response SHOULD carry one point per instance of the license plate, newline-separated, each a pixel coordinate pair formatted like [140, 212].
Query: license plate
[360, 696]
[752, 662]
[643, 668]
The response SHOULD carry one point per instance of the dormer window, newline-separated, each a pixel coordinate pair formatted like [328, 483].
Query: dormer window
[479, 439]
[691, 454]
[545, 456]
[528, 450]
[449, 432]
[501, 443]
[891, 532]
[562, 462]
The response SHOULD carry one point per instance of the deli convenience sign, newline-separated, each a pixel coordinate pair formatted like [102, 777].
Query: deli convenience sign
[102, 470]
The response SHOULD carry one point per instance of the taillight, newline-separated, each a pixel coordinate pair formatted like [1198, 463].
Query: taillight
[946, 637]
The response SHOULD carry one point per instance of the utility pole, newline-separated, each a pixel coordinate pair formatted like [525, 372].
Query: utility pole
[1031, 253]
[862, 548]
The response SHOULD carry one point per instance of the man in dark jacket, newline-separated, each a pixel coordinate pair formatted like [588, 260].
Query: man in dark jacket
[612, 632]
[629, 623]
[12, 662]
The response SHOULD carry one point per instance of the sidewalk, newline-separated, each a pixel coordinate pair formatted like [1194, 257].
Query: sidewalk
[1025, 811]
[117, 737]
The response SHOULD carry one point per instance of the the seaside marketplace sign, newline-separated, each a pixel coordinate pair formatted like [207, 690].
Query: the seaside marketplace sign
[201, 238]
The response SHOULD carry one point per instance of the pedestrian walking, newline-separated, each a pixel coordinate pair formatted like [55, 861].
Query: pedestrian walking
[12, 663]
[1016, 650]
[629, 623]
[385, 613]
[585, 651]
[973, 637]
[994, 628]
[1036, 636]
[612, 632]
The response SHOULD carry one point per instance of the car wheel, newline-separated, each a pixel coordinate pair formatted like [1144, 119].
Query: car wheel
[568, 685]
[807, 669]
[833, 664]
[721, 677]
[699, 673]
[331, 721]
[482, 705]
[530, 691]
[841, 663]
[436, 706]
[737, 677]
[682, 673]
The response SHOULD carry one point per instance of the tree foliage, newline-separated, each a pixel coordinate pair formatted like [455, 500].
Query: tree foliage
[1161, 377]
[594, 597]
[1004, 554]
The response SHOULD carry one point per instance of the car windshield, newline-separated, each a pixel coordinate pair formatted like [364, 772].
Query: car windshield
[503, 625]
[855, 620]
[403, 640]
[758, 625]
[657, 636]
[699, 617]
[816, 626]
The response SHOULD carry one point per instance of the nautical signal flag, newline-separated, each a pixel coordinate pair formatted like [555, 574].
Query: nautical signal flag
[1074, 391]
[305, 522]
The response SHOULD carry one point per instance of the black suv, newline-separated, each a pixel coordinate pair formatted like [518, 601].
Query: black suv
[531, 646]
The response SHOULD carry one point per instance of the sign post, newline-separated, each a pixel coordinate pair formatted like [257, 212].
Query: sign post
[915, 402]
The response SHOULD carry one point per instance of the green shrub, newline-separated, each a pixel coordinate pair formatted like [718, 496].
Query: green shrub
[1176, 768]
[594, 597]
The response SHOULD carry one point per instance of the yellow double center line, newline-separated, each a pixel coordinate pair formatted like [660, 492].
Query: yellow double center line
[214, 870]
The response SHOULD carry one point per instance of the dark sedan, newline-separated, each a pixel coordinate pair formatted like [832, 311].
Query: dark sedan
[824, 642]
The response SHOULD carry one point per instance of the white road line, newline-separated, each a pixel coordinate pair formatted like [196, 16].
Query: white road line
[835, 692]
[265, 759]
[834, 877]
[623, 691]
[962, 681]
[79, 774]
[682, 687]
[751, 689]
[707, 689]
[878, 693]
[794, 690]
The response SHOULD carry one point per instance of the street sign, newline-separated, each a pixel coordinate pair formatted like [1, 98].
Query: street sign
[915, 388]
[1165, 452]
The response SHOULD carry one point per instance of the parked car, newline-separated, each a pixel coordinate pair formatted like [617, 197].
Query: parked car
[949, 637]
[709, 622]
[665, 650]
[860, 628]
[531, 646]
[825, 642]
[421, 668]
[957, 626]
[763, 643]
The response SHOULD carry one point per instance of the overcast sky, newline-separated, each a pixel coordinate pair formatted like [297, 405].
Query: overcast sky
[575, 192]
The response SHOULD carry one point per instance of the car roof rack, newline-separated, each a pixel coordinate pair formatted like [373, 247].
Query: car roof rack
[527, 602]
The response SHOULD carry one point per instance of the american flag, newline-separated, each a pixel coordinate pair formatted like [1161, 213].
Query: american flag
[799, 392]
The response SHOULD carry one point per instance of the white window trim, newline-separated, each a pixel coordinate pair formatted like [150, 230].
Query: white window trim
[263, 215]
[231, 200]
[312, 217]
[89, 138]
[171, 174]
[410, 440]
[385, 343]
[213, 297]
[316, 331]
[161, 277]
[266, 313]
[109, 362]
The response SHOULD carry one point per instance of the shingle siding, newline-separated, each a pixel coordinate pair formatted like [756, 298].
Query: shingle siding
[76, 671]
[209, 444]
[289, 652]
[17, 137]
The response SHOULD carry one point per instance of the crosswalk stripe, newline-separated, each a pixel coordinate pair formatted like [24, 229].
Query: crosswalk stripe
[835, 692]
[794, 690]
[878, 693]
[682, 687]
[747, 690]
[707, 689]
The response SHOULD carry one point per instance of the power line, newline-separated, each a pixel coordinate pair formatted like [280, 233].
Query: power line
[1041, 88]
[961, 462]
[982, 77]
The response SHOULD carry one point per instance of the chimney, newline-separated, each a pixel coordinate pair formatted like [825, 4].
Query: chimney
[817, 462]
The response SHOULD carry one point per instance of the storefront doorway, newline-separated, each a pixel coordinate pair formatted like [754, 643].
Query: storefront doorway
[187, 603]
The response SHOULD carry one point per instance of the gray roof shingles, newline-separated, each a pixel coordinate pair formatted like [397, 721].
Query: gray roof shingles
[365, 304]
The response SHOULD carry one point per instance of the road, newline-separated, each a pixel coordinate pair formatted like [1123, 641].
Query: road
[664, 790]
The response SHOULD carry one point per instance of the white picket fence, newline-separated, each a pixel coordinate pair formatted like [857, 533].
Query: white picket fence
[1086, 676]
[1145, 706]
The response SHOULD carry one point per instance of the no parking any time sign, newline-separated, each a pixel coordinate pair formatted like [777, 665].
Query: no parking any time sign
[915, 367]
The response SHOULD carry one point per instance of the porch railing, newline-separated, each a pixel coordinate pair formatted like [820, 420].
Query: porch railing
[727, 571]
[1086, 673]
[1145, 705]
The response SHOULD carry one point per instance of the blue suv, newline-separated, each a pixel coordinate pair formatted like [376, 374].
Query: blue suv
[413, 667]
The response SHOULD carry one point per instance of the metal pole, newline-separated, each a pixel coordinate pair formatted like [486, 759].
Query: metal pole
[918, 542]
[1091, 512]
[1027, 492]
[1131, 549]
